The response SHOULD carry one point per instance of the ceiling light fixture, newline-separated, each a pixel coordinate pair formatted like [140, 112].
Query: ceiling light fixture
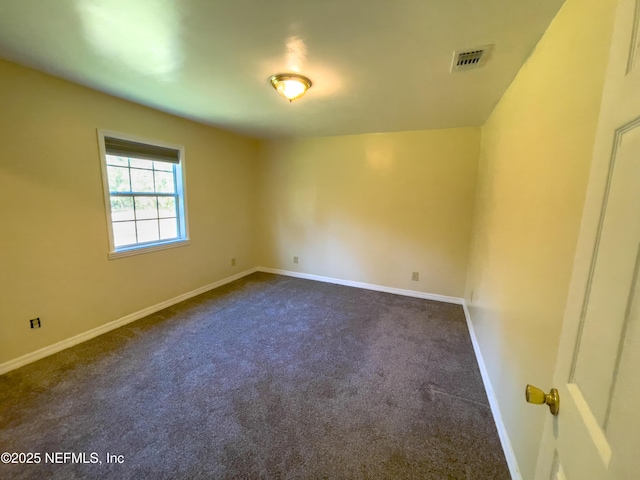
[290, 86]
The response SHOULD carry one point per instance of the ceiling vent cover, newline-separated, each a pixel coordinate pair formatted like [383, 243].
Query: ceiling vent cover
[470, 58]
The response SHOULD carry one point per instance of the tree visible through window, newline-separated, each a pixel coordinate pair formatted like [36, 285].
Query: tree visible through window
[145, 194]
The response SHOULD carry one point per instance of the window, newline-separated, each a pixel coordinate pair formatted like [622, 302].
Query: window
[144, 194]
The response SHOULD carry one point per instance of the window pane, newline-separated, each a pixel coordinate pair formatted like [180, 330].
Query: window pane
[164, 182]
[168, 228]
[167, 167]
[141, 180]
[147, 230]
[167, 206]
[118, 179]
[121, 208]
[119, 161]
[146, 208]
[144, 195]
[124, 233]
[138, 163]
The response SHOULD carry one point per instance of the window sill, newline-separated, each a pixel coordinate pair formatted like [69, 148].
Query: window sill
[138, 250]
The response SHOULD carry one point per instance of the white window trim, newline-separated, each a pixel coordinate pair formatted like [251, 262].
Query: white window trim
[182, 192]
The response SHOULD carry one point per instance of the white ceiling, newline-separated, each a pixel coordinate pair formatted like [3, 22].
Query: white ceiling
[376, 65]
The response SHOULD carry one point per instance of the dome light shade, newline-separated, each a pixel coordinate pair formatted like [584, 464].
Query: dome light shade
[290, 86]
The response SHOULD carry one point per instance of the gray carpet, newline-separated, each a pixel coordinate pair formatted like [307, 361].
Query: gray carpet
[266, 377]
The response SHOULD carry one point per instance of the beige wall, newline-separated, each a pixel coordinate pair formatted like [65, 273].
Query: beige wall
[53, 245]
[534, 164]
[372, 208]
[368, 208]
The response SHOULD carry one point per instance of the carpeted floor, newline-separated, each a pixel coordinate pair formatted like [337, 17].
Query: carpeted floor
[266, 377]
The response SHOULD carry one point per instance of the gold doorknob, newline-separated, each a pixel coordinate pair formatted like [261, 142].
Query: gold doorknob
[537, 396]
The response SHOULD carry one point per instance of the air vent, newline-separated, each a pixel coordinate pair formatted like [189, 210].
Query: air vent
[470, 58]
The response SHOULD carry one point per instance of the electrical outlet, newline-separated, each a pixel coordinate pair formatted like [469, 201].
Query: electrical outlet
[415, 276]
[233, 262]
[295, 259]
[471, 297]
[35, 322]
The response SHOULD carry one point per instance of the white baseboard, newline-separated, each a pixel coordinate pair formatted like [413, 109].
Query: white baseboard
[495, 410]
[366, 286]
[509, 454]
[83, 337]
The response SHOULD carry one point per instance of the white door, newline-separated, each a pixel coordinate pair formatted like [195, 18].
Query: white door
[597, 432]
